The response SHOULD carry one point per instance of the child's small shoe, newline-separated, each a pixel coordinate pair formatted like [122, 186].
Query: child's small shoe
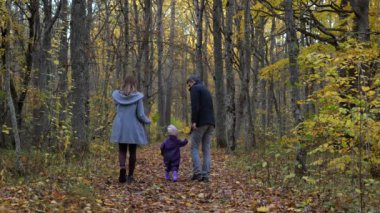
[175, 176]
[167, 177]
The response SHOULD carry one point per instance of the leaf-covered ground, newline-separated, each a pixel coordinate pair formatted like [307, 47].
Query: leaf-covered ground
[230, 190]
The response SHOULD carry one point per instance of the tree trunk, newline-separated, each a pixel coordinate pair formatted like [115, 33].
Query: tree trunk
[292, 43]
[361, 8]
[171, 58]
[241, 98]
[205, 55]
[250, 140]
[147, 72]
[137, 71]
[109, 63]
[79, 74]
[7, 60]
[199, 8]
[88, 56]
[34, 36]
[185, 114]
[63, 58]
[41, 114]
[219, 78]
[271, 93]
[261, 47]
[126, 38]
[160, 87]
[230, 80]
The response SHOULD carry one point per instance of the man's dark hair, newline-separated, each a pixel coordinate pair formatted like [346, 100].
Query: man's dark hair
[194, 78]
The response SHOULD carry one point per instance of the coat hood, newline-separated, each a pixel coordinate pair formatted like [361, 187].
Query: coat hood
[132, 98]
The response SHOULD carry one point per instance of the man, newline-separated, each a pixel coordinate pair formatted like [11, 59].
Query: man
[202, 126]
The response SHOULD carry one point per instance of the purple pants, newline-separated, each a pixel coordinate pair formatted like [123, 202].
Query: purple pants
[171, 165]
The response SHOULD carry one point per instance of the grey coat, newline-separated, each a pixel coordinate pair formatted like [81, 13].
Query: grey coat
[127, 127]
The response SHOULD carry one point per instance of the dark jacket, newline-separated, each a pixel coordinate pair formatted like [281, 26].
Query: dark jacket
[170, 149]
[202, 109]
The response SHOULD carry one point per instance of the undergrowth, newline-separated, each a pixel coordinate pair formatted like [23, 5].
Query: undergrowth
[273, 167]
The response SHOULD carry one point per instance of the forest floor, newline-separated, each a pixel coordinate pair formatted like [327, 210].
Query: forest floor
[230, 189]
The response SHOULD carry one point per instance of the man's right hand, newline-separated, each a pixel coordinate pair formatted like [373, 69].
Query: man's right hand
[194, 126]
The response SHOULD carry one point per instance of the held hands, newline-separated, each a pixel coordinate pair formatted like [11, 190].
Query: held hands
[194, 126]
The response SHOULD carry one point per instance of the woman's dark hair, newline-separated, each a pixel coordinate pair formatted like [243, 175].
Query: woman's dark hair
[129, 85]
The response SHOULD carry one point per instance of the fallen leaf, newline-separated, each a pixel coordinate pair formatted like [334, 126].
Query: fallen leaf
[262, 209]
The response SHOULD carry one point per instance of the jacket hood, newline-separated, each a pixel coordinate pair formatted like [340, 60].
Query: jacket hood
[194, 78]
[132, 98]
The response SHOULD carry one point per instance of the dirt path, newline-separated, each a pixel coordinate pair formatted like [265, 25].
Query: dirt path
[228, 191]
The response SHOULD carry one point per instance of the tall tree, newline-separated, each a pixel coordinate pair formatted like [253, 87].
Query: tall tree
[169, 85]
[7, 58]
[79, 73]
[250, 139]
[109, 55]
[63, 66]
[146, 81]
[230, 81]
[293, 50]
[45, 65]
[361, 8]
[199, 6]
[271, 90]
[219, 78]
[205, 42]
[185, 114]
[160, 75]
[88, 55]
[34, 24]
[126, 38]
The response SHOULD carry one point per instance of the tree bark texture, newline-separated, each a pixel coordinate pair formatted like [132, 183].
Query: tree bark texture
[292, 44]
[147, 76]
[199, 8]
[63, 66]
[171, 58]
[160, 74]
[79, 74]
[250, 140]
[219, 78]
[230, 80]
[361, 8]
[12, 111]
[126, 58]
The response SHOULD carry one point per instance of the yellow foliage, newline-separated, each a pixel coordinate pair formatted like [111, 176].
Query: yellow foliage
[274, 70]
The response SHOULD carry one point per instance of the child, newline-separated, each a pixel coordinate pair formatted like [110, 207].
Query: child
[171, 152]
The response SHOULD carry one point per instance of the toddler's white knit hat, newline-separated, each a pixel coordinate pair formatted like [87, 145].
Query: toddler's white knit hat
[172, 130]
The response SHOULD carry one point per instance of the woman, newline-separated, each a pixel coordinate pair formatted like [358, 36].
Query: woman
[127, 129]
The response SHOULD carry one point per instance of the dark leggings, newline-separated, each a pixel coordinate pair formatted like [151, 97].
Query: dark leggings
[123, 156]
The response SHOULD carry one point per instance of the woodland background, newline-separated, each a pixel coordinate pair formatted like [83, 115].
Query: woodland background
[296, 86]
